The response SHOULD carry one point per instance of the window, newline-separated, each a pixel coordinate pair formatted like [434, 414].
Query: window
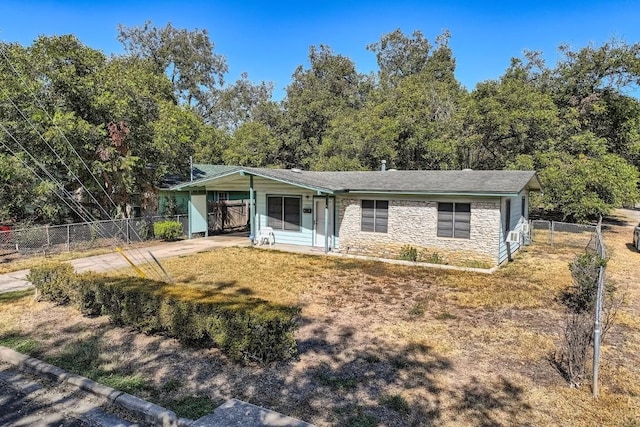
[507, 216]
[223, 196]
[523, 208]
[283, 213]
[454, 220]
[375, 214]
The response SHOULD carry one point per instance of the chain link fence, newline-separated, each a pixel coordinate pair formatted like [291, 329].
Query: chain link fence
[81, 236]
[555, 233]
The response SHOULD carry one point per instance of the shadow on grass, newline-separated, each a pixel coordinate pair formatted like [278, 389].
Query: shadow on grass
[338, 377]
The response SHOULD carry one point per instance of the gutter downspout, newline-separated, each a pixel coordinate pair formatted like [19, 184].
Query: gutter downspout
[252, 210]
[326, 223]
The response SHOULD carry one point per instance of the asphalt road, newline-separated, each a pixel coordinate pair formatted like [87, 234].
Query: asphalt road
[28, 401]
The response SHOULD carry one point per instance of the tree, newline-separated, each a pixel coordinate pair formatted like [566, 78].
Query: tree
[400, 56]
[17, 185]
[328, 89]
[413, 123]
[508, 118]
[186, 56]
[580, 187]
[253, 144]
[589, 86]
[239, 103]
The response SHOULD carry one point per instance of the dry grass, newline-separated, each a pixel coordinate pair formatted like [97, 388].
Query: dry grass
[384, 344]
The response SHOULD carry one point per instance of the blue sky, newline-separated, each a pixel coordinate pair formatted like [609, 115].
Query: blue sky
[269, 39]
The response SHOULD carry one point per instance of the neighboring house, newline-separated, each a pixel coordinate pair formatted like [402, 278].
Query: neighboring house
[459, 216]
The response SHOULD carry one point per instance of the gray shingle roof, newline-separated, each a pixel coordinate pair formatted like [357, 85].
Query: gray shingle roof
[424, 182]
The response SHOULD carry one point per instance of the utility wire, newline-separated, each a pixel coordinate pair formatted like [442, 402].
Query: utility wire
[75, 206]
[72, 149]
[34, 172]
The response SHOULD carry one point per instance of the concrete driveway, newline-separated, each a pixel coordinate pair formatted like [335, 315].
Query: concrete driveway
[17, 280]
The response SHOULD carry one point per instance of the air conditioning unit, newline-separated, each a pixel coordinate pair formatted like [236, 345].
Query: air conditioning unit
[513, 237]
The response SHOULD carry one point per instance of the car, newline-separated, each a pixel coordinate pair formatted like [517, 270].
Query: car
[636, 238]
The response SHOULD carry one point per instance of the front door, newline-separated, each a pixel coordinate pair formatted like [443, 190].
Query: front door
[318, 222]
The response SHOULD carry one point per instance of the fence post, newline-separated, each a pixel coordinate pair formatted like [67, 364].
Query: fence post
[552, 228]
[48, 237]
[128, 224]
[68, 237]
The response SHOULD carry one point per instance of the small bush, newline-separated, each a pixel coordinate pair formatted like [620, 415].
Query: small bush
[408, 253]
[168, 230]
[433, 258]
[248, 330]
[55, 281]
[417, 309]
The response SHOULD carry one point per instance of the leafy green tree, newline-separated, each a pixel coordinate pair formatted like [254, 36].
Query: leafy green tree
[582, 188]
[186, 56]
[412, 118]
[401, 56]
[239, 103]
[17, 184]
[329, 88]
[508, 118]
[253, 144]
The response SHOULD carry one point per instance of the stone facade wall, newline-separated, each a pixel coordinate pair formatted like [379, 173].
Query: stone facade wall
[415, 222]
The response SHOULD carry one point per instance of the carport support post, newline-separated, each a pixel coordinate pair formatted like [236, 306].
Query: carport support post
[190, 216]
[326, 223]
[252, 210]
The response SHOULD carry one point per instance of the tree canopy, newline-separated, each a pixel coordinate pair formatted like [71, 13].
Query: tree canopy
[113, 126]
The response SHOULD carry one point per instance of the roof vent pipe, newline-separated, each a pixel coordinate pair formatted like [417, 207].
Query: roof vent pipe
[384, 165]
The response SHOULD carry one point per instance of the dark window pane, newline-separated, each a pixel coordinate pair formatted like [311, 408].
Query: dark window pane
[507, 217]
[274, 212]
[445, 207]
[445, 220]
[462, 221]
[292, 213]
[368, 215]
[463, 207]
[382, 215]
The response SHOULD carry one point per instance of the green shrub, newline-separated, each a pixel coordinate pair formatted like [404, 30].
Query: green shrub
[433, 258]
[54, 281]
[248, 330]
[408, 253]
[168, 230]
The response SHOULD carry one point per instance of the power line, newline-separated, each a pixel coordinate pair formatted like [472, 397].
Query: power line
[76, 178]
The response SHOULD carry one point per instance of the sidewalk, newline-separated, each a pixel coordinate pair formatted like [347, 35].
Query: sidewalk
[17, 280]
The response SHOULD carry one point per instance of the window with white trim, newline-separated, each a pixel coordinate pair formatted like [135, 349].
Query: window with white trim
[375, 216]
[454, 220]
[283, 212]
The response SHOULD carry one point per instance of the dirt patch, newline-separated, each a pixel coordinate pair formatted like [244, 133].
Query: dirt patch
[380, 344]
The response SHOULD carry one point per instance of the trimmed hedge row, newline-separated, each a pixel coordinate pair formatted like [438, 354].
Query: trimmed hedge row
[244, 329]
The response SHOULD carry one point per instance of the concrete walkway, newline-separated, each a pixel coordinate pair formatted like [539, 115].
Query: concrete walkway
[17, 280]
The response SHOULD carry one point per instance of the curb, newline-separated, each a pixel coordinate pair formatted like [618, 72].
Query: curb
[150, 412]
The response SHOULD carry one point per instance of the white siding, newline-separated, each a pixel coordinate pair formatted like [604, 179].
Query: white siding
[515, 223]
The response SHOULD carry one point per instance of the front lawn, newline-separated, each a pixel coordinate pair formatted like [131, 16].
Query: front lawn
[379, 344]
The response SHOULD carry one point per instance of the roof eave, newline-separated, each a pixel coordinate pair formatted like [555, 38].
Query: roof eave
[203, 181]
[435, 193]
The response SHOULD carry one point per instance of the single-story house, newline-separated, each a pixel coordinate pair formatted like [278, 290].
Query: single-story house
[176, 202]
[467, 216]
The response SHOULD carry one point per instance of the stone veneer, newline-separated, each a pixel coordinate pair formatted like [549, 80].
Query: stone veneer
[414, 222]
